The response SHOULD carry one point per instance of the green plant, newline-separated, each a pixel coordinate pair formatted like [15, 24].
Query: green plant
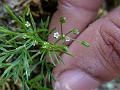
[25, 48]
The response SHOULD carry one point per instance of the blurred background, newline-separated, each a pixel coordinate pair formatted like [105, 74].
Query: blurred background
[41, 9]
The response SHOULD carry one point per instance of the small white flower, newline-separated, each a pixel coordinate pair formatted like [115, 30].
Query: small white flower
[34, 43]
[27, 24]
[67, 39]
[56, 35]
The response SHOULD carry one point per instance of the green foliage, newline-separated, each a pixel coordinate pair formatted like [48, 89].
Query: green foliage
[25, 48]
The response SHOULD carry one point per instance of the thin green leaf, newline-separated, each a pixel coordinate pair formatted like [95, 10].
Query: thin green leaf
[4, 30]
[85, 43]
[51, 58]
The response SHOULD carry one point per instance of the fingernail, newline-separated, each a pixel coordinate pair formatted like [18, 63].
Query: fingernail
[75, 80]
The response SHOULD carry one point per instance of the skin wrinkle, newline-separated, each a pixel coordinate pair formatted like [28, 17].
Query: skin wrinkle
[114, 18]
[114, 60]
[113, 44]
[101, 33]
[103, 63]
[99, 56]
[113, 49]
[115, 39]
[114, 36]
[110, 56]
[109, 44]
[117, 66]
[103, 57]
[102, 51]
[114, 23]
[116, 51]
[111, 41]
[107, 60]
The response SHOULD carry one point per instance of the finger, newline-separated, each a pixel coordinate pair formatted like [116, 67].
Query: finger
[79, 13]
[100, 62]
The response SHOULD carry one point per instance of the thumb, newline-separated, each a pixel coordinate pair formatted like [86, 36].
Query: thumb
[75, 80]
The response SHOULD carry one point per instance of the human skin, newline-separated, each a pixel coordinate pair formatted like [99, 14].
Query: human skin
[79, 14]
[94, 65]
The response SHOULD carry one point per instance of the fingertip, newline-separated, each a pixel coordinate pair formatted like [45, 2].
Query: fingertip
[75, 80]
[91, 5]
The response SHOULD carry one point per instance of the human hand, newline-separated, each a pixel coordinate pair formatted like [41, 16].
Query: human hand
[97, 64]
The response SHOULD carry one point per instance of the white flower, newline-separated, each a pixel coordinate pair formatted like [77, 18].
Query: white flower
[34, 43]
[27, 24]
[67, 39]
[56, 35]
